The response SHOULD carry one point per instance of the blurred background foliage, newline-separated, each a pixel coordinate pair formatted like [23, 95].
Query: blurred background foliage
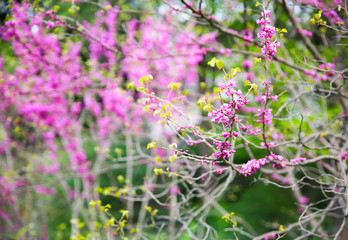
[264, 206]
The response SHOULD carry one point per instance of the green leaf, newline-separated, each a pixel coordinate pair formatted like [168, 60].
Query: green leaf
[149, 209]
[172, 158]
[120, 178]
[71, 11]
[217, 90]
[257, 60]
[154, 212]
[142, 81]
[219, 64]
[151, 145]
[212, 62]
[158, 171]
[130, 85]
[171, 146]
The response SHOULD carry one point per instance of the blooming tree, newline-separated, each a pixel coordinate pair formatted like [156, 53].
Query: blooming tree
[141, 120]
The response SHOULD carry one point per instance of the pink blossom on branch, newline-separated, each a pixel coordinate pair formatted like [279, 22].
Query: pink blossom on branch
[269, 48]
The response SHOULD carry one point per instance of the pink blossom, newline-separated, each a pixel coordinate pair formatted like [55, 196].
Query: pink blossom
[43, 190]
[303, 200]
[249, 76]
[266, 32]
[247, 64]
[174, 190]
[52, 168]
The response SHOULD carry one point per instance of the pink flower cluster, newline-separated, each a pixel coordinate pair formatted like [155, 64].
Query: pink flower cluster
[223, 115]
[269, 144]
[193, 142]
[270, 236]
[54, 20]
[267, 31]
[193, 130]
[282, 163]
[265, 115]
[163, 52]
[329, 69]
[255, 164]
[250, 129]
[327, 7]
[225, 149]
[226, 115]
[278, 161]
[43, 190]
[8, 189]
[303, 200]
[41, 81]
[50, 88]
[247, 64]
[333, 16]
[104, 29]
[151, 103]
[247, 36]
[305, 32]
[175, 190]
